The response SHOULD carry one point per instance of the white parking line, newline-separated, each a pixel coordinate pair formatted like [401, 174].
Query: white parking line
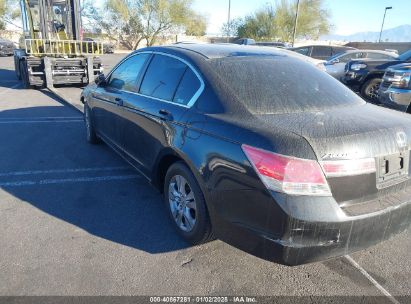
[40, 118]
[40, 121]
[371, 279]
[76, 170]
[69, 180]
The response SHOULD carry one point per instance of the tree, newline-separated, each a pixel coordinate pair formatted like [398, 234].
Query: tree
[277, 22]
[164, 17]
[122, 20]
[260, 25]
[196, 25]
[231, 29]
[2, 13]
[313, 19]
[132, 21]
[9, 11]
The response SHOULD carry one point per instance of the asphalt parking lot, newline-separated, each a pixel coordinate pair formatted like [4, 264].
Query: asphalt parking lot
[76, 219]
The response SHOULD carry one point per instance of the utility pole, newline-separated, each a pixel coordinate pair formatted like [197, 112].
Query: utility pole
[383, 20]
[229, 21]
[295, 21]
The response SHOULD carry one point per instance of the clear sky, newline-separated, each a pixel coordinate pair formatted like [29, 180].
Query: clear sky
[347, 16]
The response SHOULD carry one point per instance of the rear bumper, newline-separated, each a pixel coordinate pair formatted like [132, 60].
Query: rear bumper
[313, 242]
[311, 230]
[397, 99]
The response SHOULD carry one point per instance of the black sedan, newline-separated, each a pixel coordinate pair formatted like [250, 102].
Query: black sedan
[258, 148]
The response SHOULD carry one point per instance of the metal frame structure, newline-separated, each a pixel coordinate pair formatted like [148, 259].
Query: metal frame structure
[53, 51]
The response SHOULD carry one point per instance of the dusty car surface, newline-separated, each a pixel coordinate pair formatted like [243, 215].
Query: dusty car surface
[258, 148]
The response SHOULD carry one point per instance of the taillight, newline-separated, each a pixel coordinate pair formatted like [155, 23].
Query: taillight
[336, 168]
[286, 174]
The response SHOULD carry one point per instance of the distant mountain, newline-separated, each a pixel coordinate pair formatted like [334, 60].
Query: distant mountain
[400, 33]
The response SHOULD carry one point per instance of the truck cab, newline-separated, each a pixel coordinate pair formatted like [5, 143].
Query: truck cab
[395, 89]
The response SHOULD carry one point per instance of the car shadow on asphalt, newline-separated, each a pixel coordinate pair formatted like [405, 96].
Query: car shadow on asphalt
[129, 212]
[8, 78]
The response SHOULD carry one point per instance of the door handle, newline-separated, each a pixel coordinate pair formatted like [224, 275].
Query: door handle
[119, 101]
[166, 115]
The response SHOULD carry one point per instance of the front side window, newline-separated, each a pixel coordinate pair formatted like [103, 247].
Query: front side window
[304, 51]
[125, 75]
[163, 77]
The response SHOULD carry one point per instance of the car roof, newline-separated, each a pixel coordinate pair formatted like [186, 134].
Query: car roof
[392, 54]
[214, 51]
[369, 51]
[333, 46]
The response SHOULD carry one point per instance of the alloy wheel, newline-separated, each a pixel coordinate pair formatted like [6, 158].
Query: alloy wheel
[372, 91]
[182, 203]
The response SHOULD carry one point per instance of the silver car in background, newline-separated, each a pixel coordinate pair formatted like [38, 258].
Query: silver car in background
[6, 47]
[335, 66]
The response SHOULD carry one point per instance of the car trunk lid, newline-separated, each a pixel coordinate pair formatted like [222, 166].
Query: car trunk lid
[356, 132]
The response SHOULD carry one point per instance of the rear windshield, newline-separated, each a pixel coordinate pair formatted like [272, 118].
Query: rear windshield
[280, 84]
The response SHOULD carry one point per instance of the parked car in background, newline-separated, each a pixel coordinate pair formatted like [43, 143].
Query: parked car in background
[6, 47]
[335, 66]
[244, 154]
[395, 89]
[323, 52]
[245, 41]
[365, 76]
[273, 44]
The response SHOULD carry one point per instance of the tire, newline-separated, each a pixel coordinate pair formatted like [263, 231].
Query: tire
[194, 207]
[91, 135]
[24, 75]
[369, 90]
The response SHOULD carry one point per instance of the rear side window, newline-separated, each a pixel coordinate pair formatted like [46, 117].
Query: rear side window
[125, 75]
[379, 56]
[189, 85]
[163, 77]
[321, 51]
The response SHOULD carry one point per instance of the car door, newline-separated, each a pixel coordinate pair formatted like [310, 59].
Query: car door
[154, 119]
[109, 98]
[337, 69]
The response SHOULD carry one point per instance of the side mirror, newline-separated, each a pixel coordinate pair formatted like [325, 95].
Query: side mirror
[100, 80]
[335, 61]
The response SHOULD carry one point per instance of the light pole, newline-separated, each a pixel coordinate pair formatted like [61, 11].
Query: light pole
[383, 20]
[228, 21]
[295, 21]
